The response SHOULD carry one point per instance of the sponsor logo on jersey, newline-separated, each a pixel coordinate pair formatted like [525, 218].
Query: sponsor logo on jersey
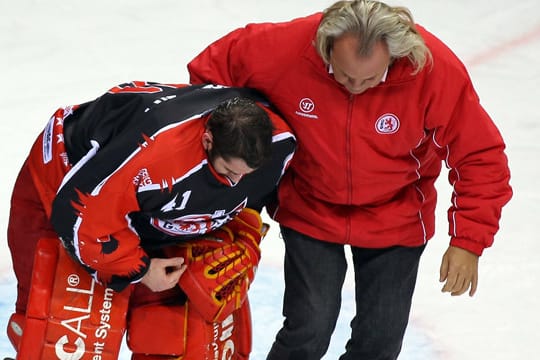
[142, 178]
[197, 224]
[387, 124]
[47, 141]
[64, 158]
[306, 107]
[57, 120]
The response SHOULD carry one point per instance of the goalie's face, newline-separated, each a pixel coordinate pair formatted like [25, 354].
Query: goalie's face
[232, 169]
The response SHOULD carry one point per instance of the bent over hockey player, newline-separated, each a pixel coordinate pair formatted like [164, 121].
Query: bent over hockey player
[139, 169]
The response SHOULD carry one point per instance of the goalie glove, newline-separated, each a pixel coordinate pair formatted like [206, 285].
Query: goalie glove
[221, 265]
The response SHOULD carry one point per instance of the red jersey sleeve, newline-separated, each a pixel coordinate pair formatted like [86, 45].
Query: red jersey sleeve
[103, 238]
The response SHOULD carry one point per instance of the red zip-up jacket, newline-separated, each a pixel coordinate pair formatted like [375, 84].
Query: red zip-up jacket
[365, 165]
[127, 172]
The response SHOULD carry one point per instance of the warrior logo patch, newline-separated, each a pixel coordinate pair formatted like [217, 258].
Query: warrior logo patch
[387, 124]
[306, 106]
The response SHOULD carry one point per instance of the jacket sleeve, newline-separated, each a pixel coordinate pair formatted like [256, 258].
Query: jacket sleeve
[241, 58]
[213, 65]
[469, 142]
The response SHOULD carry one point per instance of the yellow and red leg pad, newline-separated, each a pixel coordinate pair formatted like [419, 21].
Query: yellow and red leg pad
[69, 316]
[164, 328]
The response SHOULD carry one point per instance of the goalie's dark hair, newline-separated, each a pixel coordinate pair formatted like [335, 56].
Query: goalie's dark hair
[241, 129]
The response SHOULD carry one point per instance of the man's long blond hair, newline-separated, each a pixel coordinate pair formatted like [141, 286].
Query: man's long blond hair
[372, 21]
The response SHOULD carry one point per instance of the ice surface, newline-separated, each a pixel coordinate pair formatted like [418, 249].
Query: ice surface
[65, 52]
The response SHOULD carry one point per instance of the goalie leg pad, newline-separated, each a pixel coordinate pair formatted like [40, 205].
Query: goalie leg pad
[157, 322]
[23, 235]
[69, 315]
[160, 330]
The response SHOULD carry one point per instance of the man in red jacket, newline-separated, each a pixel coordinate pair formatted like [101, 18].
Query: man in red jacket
[377, 103]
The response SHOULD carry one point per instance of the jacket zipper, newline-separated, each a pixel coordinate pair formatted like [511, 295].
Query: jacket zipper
[348, 155]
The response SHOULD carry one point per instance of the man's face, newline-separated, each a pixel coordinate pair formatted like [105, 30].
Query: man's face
[358, 73]
[233, 169]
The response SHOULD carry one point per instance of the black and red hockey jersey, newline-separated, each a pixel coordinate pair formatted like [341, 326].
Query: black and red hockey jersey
[137, 177]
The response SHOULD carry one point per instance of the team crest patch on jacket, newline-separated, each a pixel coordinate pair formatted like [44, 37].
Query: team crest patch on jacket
[387, 124]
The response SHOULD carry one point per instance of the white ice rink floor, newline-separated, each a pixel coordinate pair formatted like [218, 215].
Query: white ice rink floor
[56, 53]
